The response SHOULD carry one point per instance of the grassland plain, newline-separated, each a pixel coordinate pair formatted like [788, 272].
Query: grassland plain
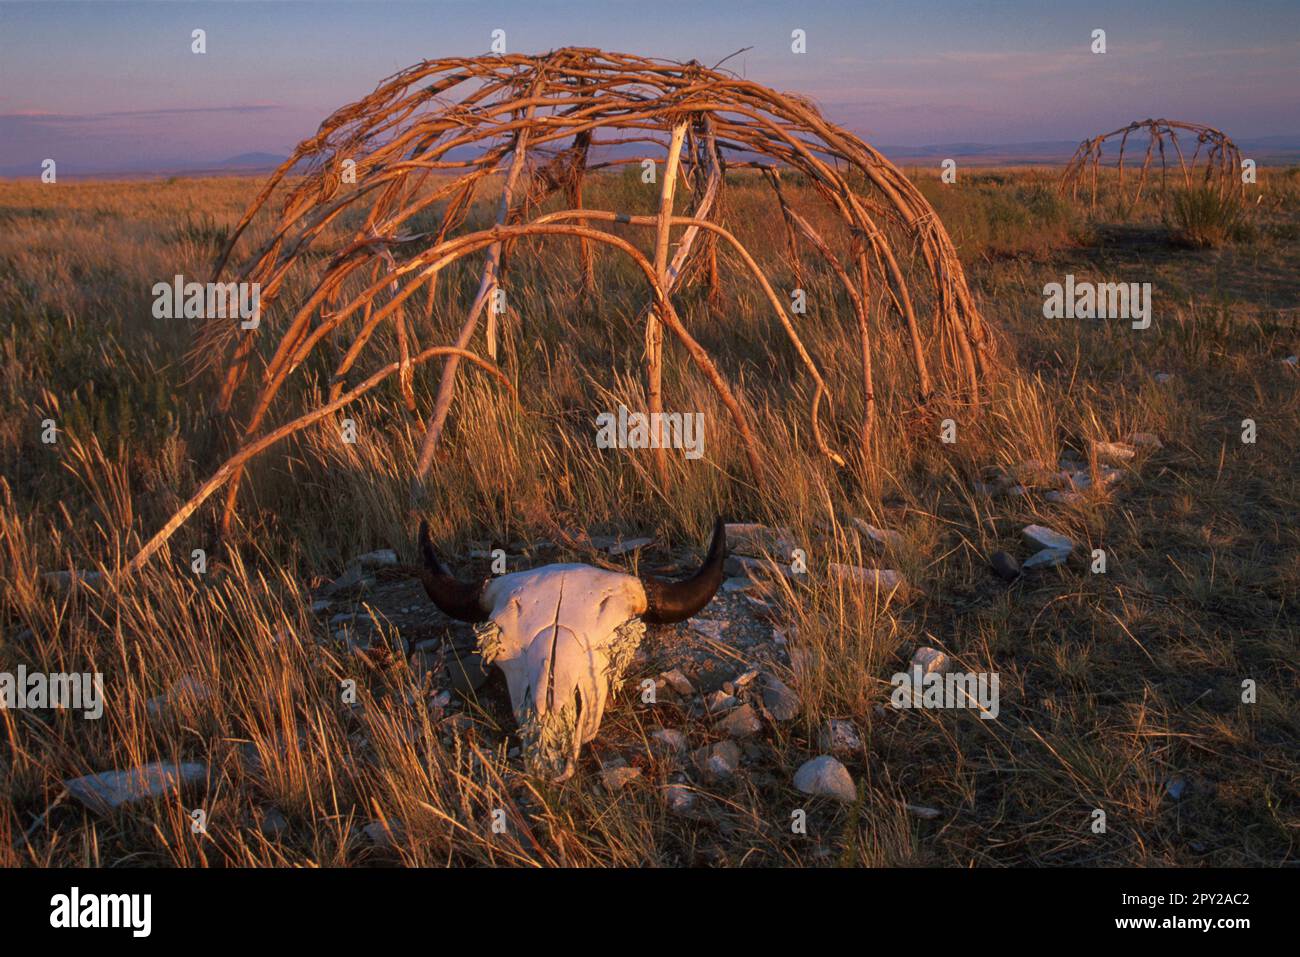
[1119, 690]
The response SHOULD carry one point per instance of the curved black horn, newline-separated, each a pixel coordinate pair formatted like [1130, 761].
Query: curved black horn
[461, 600]
[667, 602]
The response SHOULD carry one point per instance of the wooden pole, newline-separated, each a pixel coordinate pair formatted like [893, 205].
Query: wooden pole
[654, 328]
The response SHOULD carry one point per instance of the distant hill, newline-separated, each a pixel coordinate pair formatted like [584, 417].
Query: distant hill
[1267, 150]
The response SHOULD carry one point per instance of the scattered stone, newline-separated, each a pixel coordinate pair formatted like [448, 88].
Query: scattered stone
[839, 736]
[273, 825]
[930, 660]
[615, 779]
[921, 811]
[1292, 361]
[678, 682]
[680, 799]
[719, 701]
[1146, 440]
[744, 679]
[755, 569]
[631, 545]
[384, 834]
[1041, 537]
[377, 559]
[64, 580]
[1163, 377]
[824, 776]
[1064, 498]
[757, 540]
[187, 689]
[668, 742]
[740, 722]
[733, 585]
[885, 580]
[1047, 558]
[1078, 480]
[466, 671]
[882, 538]
[321, 605]
[718, 761]
[352, 577]
[709, 628]
[1114, 452]
[1175, 787]
[1004, 566]
[110, 790]
[779, 700]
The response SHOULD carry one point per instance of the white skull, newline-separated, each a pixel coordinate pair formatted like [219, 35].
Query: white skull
[563, 635]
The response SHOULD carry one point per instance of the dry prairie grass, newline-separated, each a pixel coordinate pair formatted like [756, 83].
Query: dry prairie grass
[1111, 684]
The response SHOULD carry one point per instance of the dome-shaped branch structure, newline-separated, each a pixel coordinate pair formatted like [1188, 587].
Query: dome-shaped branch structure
[1222, 159]
[429, 138]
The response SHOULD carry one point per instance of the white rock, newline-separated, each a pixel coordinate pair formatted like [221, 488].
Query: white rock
[779, 700]
[719, 701]
[679, 798]
[377, 559]
[1064, 498]
[745, 678]
[1042, 537]
[273, 824]
[929, 660]
[718, 761]
[615, 779]
[187, 689]
[921, 811]
[758, 540]
[678, 682]
[709, 628]
[1047, 558]
[383, 834]
[631, 545]
[668, 742]
[733, 585]
[109, 790]
[1163, 377]
[839, 736]
[756, 569]
[1146, 440]
[882, 538]
[1114, 452]
[885, 580]
[66, 579]
[824, 776]
[740, 722]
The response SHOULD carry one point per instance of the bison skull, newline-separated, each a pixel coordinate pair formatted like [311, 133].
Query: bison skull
[563, 635]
